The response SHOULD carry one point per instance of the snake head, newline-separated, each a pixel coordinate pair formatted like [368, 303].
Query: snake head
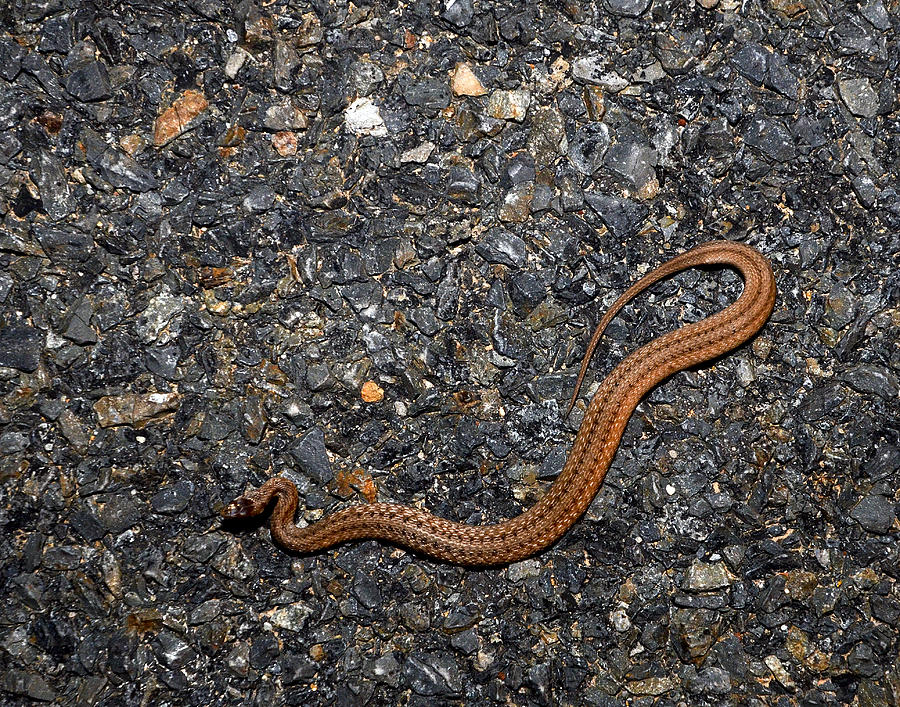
[240, 508]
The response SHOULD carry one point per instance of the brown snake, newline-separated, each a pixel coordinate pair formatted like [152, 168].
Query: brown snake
[596, 442]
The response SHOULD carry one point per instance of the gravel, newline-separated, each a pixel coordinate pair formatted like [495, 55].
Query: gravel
[364, 247]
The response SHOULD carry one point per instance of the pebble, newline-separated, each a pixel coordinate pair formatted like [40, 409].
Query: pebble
[704, 576]
[502, 247]
[875, 513]
[509, 105]
[465, 82]
[311, 456]
[364, 118]
[175, 119]
[173, 498]
[132, 409]
[21, 347]
[89, 82]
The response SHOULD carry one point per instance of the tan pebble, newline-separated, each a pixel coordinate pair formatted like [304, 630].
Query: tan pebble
[285, 143]
[132, 144]
[175, 119]
[465, 82]
[372, 392]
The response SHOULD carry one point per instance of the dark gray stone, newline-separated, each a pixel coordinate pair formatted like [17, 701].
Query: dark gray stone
[12, 441]
[432, 674]
[89, 82]
[118, 513]
[296, 669]
[461, 618]
[627, 8]
[520, 169]
[634, 160]
[711, 681]
[65, 244]
[311, 456]
[173, 498]
[54, 190]
[877, 15]
[431, 95]
[874, 513]
[425, 320]
[78, 323]
[772, 139]
[588, 147]
[163, 361]
[752, 61]
[874, 380]
[21, 347]
[366, 590]
[365, 299]
[11, 54]
[86, 525]
[259, 200]
[36, 66]
[679, 50]
[124, 172]
[318, 376]
[33, 686]
[458, 12]
[526, 291]
[502, 247]
[386, 669]
[622, 217]
[781, 78]
[463, 185]
[264, 651]
[172, 650]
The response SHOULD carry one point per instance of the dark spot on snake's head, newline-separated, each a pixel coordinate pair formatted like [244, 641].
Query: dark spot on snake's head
[238, 509]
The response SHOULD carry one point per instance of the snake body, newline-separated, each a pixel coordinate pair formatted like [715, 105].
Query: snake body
[595, 444]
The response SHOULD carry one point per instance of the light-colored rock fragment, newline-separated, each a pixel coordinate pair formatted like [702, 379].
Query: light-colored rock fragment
[134, 409]
[509, 105]
[418, 154]
[363, 118]
[465, 82]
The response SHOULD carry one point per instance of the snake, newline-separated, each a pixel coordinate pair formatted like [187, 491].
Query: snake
[601, 429]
